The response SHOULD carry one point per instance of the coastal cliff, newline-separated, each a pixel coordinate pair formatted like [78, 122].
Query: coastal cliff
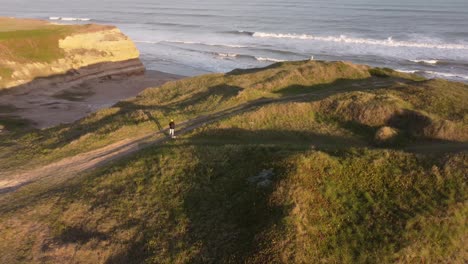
[31, 49]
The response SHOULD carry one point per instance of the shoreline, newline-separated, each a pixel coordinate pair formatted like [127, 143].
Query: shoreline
[50, 104]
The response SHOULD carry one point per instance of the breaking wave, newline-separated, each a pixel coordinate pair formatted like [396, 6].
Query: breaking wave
[227, 55]
[432, 62]
[389, 42]
[240, 32]
[190, 43]
[70, 18]
[447, 75]
[268, 59]
[233, 55]
[205, 44]
[407, 71]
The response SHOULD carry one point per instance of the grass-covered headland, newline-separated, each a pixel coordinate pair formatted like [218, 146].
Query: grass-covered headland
[331, 162]
[30, 41]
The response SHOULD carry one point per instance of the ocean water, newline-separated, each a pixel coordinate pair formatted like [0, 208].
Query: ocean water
[192, 37]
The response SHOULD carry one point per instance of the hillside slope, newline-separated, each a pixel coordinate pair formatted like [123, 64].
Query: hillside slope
[30, 49]
[330, 162]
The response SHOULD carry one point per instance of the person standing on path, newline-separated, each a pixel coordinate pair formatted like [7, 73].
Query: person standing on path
[172, 128]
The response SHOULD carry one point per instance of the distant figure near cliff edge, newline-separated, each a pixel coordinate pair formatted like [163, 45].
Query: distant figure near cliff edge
[172, 128]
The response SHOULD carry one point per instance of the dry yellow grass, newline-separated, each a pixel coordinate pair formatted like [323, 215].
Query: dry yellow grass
[192, 200]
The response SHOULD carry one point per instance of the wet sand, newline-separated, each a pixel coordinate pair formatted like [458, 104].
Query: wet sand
[49, 104]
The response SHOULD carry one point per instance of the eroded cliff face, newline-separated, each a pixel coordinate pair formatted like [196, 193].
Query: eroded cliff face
[88, 50]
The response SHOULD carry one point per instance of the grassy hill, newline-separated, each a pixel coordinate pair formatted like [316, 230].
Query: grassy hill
[299, 162]
[31, 49]
[30, 41]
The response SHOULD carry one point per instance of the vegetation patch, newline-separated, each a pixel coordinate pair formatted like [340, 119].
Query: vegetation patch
[36, 45]
[195, 204]
[5, 73]
[331, 194]
[356, 106]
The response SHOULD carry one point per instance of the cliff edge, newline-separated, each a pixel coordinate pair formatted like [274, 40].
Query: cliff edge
[31, 49]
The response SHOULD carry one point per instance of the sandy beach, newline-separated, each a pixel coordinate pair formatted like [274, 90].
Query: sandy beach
[48, 104]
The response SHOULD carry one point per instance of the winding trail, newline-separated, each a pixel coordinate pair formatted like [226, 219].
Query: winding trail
[72, 166]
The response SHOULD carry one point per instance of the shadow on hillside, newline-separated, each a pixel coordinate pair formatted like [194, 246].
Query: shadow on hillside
[410, 120]
[300, 139]
[237, 72]
[28, 194]
[97, 71]
[225, 92]
[342, 85]
[132, 113]
[229, 215]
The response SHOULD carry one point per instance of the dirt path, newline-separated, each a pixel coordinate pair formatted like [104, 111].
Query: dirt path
[70, 167]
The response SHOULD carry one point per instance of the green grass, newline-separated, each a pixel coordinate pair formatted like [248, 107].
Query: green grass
[335, 197]
[288, 123]
[26, 41]
[439, 97]
[387, 72]
[181, 100]
[5, 73]
[186, 99]
[35, 45]
[193, 203]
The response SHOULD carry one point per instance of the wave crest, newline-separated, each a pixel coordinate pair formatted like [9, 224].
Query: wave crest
[447, 75]
[227, 55]
[240, 32]
[432, 62]
[389, 42]
[70, 18]
[190, 43]
[268, 59]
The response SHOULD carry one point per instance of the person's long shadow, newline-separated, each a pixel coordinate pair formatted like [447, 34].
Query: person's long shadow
[228, 214]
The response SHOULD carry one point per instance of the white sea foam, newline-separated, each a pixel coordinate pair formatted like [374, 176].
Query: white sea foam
[448, 75]
[207, 44]
[234, 46]
[433, 62]
[437, 74]
[70, 18]
[227, 55]
[184, 42]
[191, 43]
[268, 59]
[406, 71]
[389, 42]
